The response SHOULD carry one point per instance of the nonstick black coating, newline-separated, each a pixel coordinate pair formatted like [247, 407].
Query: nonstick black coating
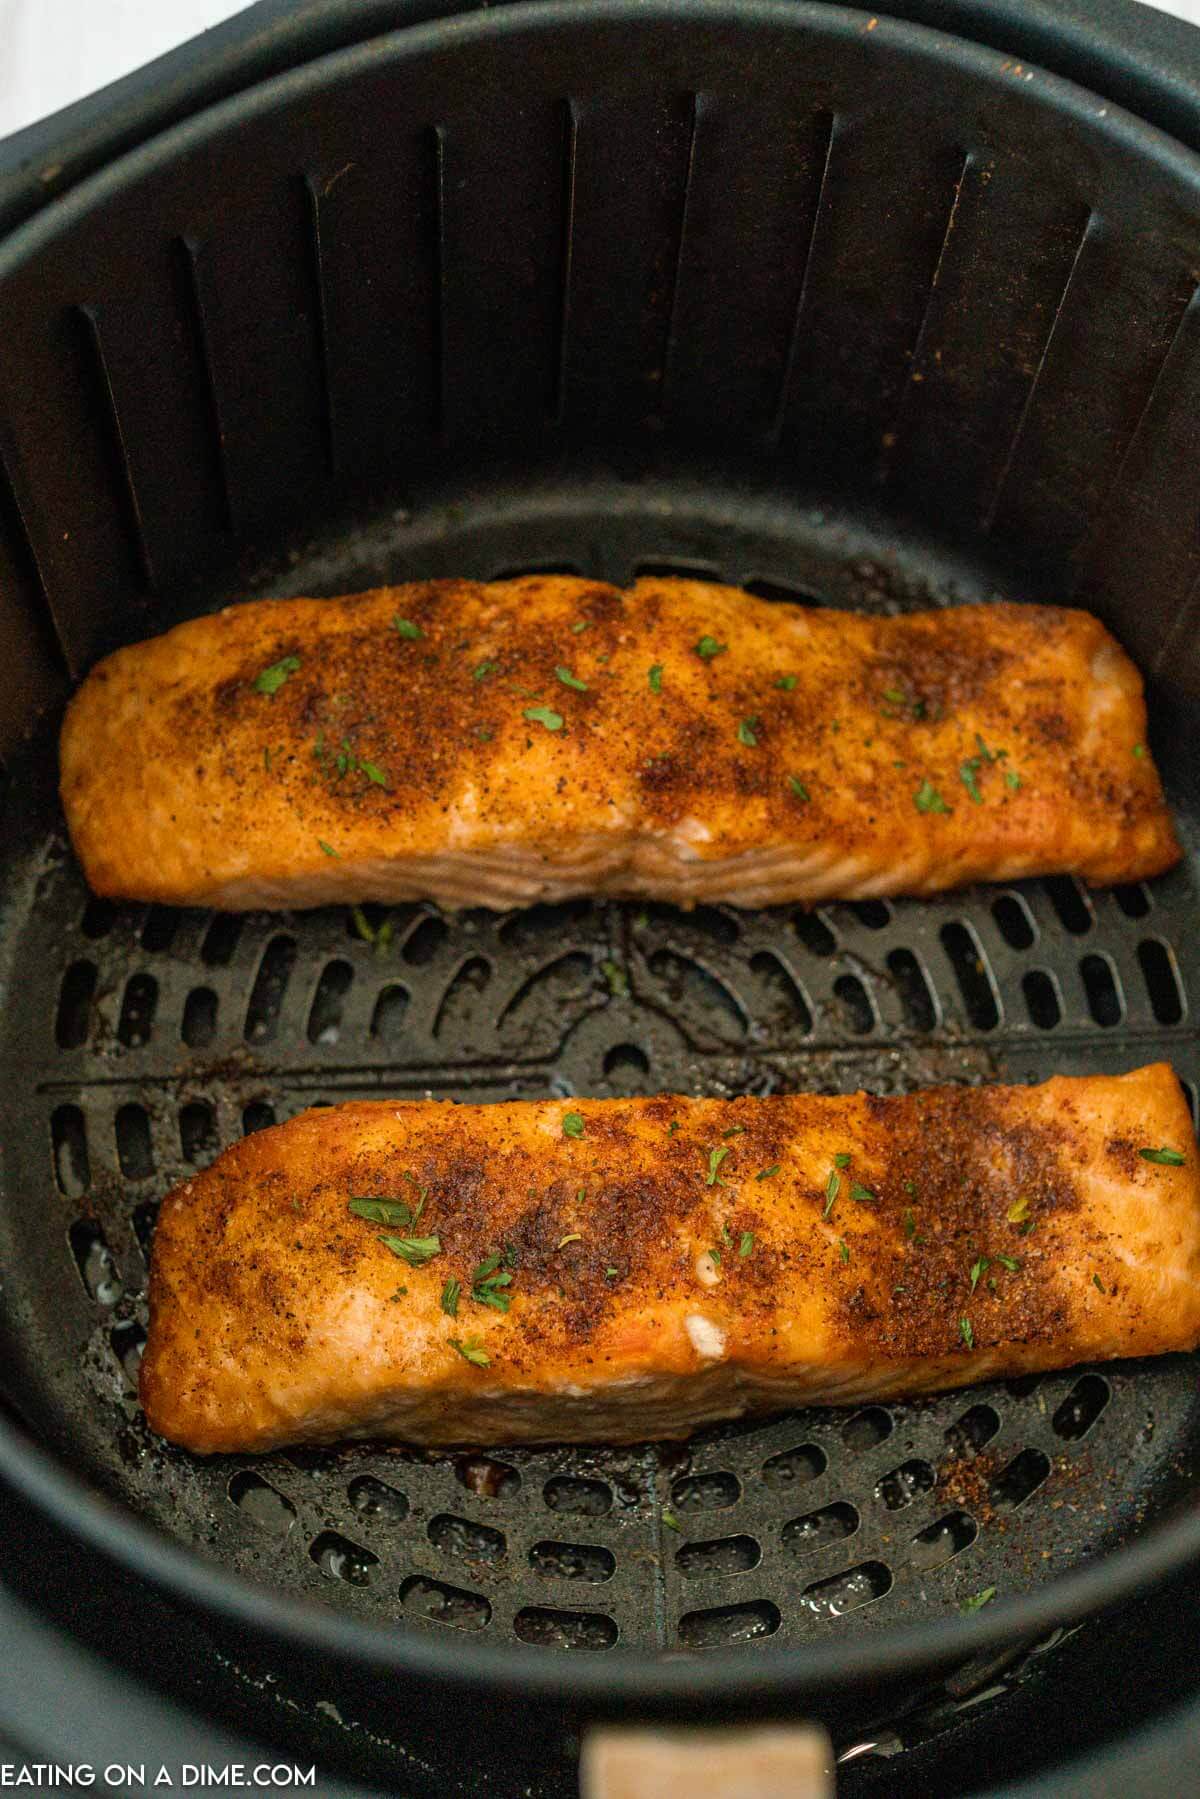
[750, 264]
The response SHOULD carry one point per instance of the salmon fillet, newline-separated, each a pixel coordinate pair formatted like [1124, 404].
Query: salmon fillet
[533, 739]
[617, 1270]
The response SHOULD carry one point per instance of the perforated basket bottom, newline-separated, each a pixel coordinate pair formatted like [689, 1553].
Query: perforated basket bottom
[138, 1042]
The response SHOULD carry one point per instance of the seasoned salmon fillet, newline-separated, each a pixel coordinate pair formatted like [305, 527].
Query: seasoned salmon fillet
[531, 739]
[586, 1270]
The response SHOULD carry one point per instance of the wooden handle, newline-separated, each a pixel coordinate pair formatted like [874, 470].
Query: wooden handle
[783, 1761]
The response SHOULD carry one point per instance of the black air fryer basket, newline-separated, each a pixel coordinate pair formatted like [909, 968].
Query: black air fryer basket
[817, 301]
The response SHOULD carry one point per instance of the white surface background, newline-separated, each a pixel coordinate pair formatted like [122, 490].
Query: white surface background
[55, 51]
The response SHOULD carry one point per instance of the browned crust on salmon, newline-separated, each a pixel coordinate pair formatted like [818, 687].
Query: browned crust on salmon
[891, 1246]
[807, 754]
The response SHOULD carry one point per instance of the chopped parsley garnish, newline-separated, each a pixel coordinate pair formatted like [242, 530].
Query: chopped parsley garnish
[381, 939]
[472, 1350]
[581, 624]
[1098, 1283]
[894, 696]
[572, 1124]
[672, 1127]
[327, 849]
[797, 786]
[966, 1332]
[482, 670]
[610, 1274]
[337, 766]
[842, 1159]
[1012, 779]
[1009, 1262]
[416, 1251]
[708, 647]
[747, 733]
[1018, 1212]
[1139, 750]
[373, 773]
[910, 1223]
[968, 774]
[671, 1521]
[735, 1130]
[571, 1237]
[714, 1256]
[928, 799]
[1166, 1158]
[382, 1211]
[618, 980]
[978, 1600]
[655, 678]
[786, 682]
[833, 1187]
[272, 679]
[488, 1283]
[450, 1293]
[544, 715]
[746, 1244]
[910, 1187]
[570, 680]
[863, 1195]
[978, 1269]
[405, 628]
[764, 1174]
[843, 1249]
[715, 1158]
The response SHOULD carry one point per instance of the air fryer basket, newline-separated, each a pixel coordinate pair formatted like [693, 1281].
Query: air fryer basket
[782, 294]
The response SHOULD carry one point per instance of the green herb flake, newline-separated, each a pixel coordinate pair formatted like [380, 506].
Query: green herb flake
[416, 1251]
[267, 761]
[1018, 1212]
[746, 1244]
[450, 1293]
[977, 1601]
[404, 627]
[1098, 1284]
[893, 696]
[618, 980]
[581, 624]
[747, 733]
[373, 773]
[610, 1274]
[544, 715]
[655, 678]
[928, 799]
[488, 1283]
[966, 1332]
[327, 849]
[1139, 750]
[843, 1249]
[570, 680]
[471, 1350]
[978, 1269]
[482, 670]
[571, 1237]
[910, 1223]
[735, 1130]
[671, 1521]
[910, 1187]
[714, 1256]
[968, 774]
[842, 1159]
[572, 1124]
[798, 788]
[484, 735]
[708, 647]
[272, 679]
[833, 1187]
[715, 1158]
[1165, 1158]
[398, 1294]
[764, 1174]
[863, 1196]
[787, 683]
[672, 1127]
[381, 1211]
[1010, 1262]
